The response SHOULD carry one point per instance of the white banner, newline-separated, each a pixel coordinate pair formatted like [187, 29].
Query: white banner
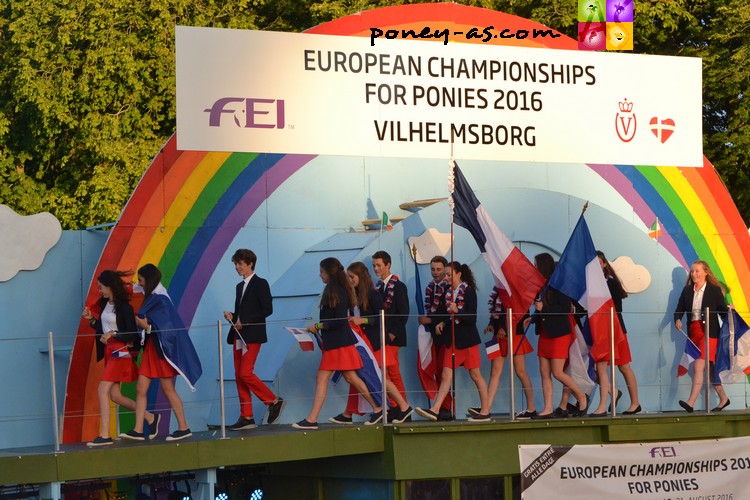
[276, 92]
[705, 470]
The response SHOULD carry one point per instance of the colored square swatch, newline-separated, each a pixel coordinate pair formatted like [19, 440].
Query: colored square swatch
[619, 36]
[592, 36]
[591, 11]
[620, 11]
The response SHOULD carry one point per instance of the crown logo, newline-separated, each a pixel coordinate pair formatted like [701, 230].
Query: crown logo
[625, 106]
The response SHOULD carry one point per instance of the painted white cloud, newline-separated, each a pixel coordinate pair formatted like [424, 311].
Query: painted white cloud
[429, 244]
[25, 240]
[635, 278]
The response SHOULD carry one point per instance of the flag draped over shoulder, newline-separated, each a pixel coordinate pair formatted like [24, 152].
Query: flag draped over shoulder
[369, 373]
[426, 358]
[515, 276]
[690, 354]
[733, 350]
[579, 275]
[173, 337]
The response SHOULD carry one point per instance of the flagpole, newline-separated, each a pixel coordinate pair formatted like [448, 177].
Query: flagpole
[453, 323]
[509, 318]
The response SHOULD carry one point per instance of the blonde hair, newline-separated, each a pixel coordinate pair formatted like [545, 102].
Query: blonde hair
[710, 276]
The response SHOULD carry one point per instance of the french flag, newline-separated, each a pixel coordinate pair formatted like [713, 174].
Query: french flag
[733, 350]
[516, 278]
[303, 338]
[579, 275]
[691, 354]
[492, 347]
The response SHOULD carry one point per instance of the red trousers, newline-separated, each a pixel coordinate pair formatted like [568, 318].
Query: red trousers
[248, 382]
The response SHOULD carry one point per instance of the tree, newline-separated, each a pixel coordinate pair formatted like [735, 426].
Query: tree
[87, 88]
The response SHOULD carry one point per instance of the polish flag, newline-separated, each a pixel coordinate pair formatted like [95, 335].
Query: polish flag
[579, 275]
[516, 278]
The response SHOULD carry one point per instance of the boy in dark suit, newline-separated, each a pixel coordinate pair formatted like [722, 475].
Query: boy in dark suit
[252, 305]
[396, 305]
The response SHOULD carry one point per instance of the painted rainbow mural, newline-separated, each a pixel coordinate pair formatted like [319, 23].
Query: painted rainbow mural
[189, 206]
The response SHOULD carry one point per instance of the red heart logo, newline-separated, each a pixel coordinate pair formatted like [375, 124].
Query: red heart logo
[662, 129]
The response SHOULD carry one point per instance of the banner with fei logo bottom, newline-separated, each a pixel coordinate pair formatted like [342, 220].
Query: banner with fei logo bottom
[692, 470]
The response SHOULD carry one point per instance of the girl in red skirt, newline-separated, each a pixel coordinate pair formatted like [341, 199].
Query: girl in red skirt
[117, 342]
[622, 349]
[339, 352]
[154, 365]
[702, 291]
[521, 347]
[552, 322]
[463, 344]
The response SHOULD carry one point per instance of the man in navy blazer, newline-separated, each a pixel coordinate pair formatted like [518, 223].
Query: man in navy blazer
[253, 304]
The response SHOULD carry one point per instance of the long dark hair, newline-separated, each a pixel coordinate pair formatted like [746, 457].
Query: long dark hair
[336, 277]
[113, 281]
[545, 263]
[365, 284]
[152, 276]
[466, 275]
[610, 272]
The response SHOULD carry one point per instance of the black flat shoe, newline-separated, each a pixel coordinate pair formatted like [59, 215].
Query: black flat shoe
[628, 412]
[599, 415]
[617, 400]
[686, 406]
[546, 416]
[719, 408]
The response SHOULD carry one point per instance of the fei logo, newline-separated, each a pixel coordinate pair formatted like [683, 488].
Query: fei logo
[259, 113]
[625, 121]
[663, 452]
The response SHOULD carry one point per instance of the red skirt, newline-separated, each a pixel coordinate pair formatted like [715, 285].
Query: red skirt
[698, 336]
[117, 369]
[468, 358]
[623, 352]
[554, 347]
[524, 348]
[152, 366]
[342, 358]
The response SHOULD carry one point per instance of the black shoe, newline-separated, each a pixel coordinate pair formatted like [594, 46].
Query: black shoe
[305, 425]
[273, 412]
[428, 414]
[686, 406]
[403, 415]
[100, 441]
[560, 413]
[242, 424]
[444, 415]
[570, 407]
[546, 416]
[526, 415]
[599, 415]
[473, 411]
[341, 419]
[721, 407]
[376, 417]
[480, 418]
[393, 413]
[178, 434]
[134, 436]
[617, 399]
[153, 427]
[628, 412]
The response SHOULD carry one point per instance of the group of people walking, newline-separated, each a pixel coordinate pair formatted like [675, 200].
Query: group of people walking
[350, 307]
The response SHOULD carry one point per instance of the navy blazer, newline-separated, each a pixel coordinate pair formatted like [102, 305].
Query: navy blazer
[127, 331]
[465, 329]
[713, 299]
[252, 310]
[397, 316]
[556, 307]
